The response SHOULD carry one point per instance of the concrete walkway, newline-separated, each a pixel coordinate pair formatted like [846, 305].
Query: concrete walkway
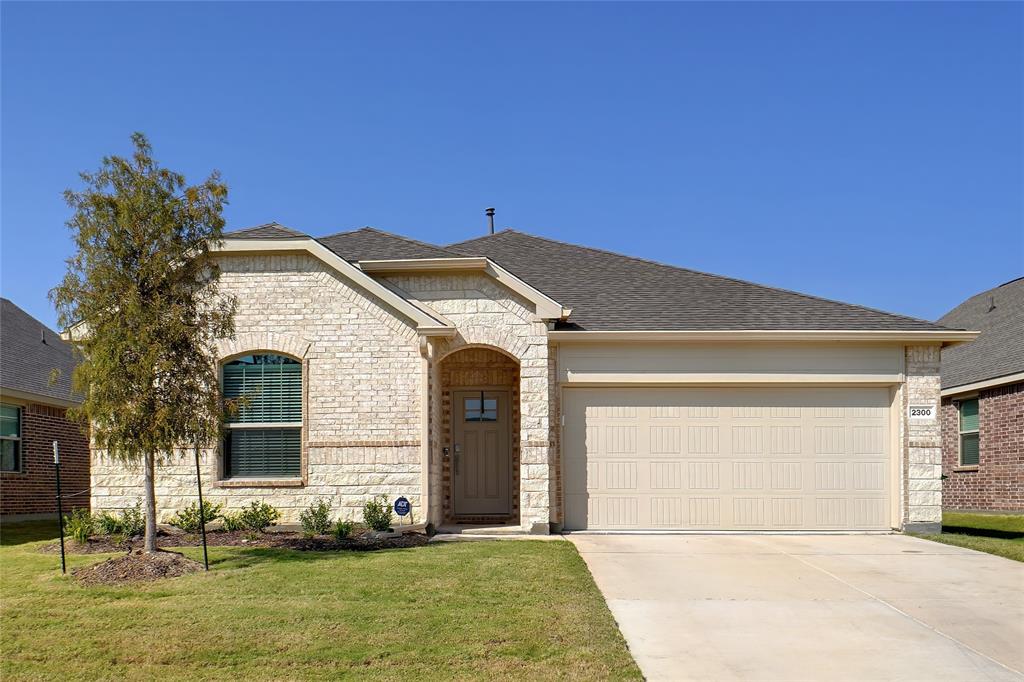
[818, 607]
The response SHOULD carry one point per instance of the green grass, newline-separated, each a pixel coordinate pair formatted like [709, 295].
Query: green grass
[472, 610]
[999, 534]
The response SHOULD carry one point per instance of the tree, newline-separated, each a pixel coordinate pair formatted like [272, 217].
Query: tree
[142, 291]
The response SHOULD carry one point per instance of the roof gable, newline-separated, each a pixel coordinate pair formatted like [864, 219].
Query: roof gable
[999, 351]
[610, 291]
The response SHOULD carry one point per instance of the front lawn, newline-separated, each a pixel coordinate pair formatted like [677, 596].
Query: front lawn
[999, 534]
[485, 610]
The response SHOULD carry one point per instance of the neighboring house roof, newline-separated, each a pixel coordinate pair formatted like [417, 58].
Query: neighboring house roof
[372, 244]
[999, 315]
[266, 231]
[610, 291]
[29, 352]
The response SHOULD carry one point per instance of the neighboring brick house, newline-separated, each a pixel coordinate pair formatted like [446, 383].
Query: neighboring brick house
[983, 403]
[521, 381]
[35, 392]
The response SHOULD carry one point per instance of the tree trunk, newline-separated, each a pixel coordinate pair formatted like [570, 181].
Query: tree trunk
[150, 502]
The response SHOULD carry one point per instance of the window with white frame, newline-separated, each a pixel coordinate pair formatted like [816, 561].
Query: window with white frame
[969, 442]
[10, 438]
[263, 437]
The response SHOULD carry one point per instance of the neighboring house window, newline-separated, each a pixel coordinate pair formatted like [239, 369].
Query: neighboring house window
[969, 432]
[264, 437]
[10, 438]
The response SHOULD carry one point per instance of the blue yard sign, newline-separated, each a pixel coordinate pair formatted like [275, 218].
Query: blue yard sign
[402, 506]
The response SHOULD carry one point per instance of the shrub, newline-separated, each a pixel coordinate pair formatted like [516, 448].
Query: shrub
[316, 520]
[258, 516]
[128, 523]
[232, 521]
[133, 521]
[107, 524]
[79, 525]
[377, 513]
[188, 519]
[342, 529]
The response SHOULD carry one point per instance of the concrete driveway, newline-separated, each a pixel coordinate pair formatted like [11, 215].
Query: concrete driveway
[811, 607]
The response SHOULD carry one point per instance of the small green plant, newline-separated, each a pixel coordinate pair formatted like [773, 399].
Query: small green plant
[133, 521]
[107, 524]
[128, 522]
[232, 521]
[377, 513]
[342, 529]
[258, 516]
[188, 519]
[79, 525]
[316, 520]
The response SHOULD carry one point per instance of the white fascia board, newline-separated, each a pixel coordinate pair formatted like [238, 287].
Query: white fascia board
[422, 264]
[714, 379]
[28, 397]
[425, 324]
[944, 337]
[987, 383]
[547, 307]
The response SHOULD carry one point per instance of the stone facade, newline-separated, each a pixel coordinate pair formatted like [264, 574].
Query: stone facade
[996, 483]
[489, 315]
[921, 442]
[362, 383]
[30, 492]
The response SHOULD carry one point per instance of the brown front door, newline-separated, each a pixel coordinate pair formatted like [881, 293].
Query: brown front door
[480, 453]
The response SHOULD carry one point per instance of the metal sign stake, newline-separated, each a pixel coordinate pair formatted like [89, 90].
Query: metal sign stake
[60, 507]
[202, 511]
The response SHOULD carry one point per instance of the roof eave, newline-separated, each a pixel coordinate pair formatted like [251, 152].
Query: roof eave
[944, 337]
[985, 383]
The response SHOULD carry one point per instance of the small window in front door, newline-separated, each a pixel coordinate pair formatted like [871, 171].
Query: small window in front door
[481, 409]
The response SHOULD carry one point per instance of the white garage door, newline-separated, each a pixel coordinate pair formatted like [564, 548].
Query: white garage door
[727, 458]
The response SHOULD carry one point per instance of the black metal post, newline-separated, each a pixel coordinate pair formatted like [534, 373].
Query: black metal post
[202, 511]
[60, 507]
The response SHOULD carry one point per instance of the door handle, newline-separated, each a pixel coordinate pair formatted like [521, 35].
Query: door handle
[458, 452]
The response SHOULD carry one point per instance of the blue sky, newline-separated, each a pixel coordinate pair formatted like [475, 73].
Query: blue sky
[872, 153]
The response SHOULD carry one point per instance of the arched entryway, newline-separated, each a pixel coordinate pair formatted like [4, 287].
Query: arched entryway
[480, 436]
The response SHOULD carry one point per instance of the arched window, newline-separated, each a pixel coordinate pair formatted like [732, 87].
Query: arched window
[264, 437]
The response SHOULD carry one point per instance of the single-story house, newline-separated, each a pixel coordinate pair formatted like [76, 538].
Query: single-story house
[513, 379]
[983, 403]
[35, 392]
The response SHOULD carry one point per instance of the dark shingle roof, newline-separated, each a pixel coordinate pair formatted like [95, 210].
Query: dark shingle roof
[266, 231]
[372, 244]
[999, 315]
[26, 362]
[610, 291]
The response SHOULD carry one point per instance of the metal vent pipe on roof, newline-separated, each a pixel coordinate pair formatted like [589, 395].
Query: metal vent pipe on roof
[490, 218]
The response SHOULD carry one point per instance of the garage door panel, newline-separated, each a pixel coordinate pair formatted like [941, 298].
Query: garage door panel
[726, 458]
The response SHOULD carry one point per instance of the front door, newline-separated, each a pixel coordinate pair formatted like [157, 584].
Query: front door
[480, 452]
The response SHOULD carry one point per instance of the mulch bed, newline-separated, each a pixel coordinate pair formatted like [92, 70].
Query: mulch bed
[222, 538]
[136, 567]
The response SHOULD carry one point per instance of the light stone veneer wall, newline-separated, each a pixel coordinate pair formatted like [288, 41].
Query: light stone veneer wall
[363, 391]
[487, 314]
[921, 441]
